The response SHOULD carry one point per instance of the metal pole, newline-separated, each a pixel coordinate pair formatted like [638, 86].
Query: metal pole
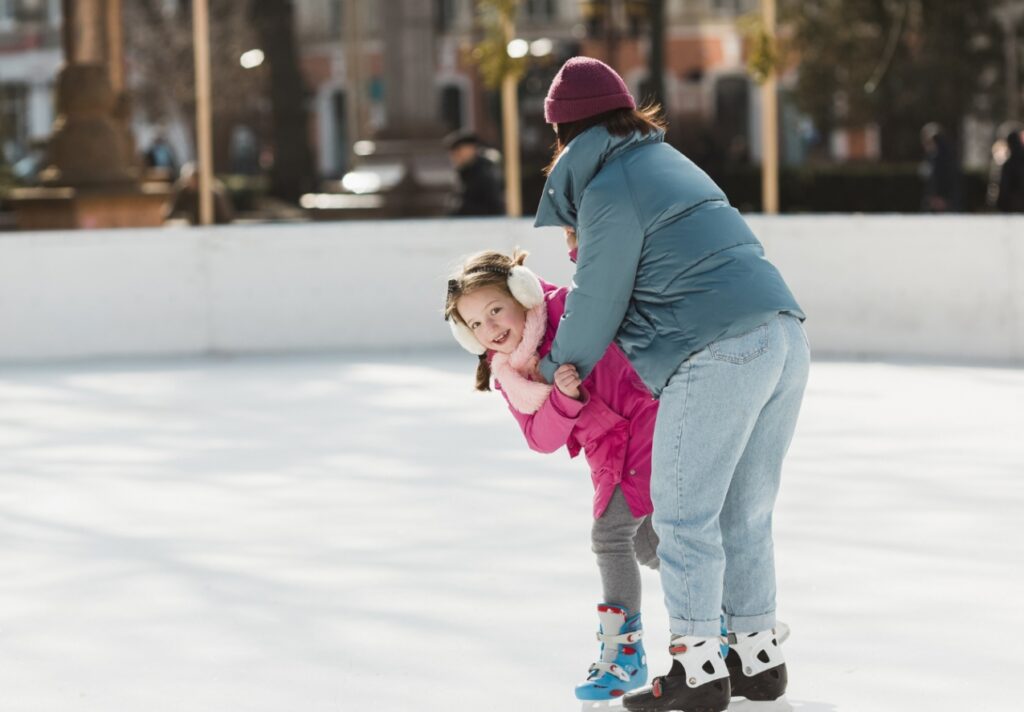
[67, 30]
[611, 32]
[769, 124]
[84, 32]
[354, 80]
[204, 141]
[115, 42]
[510, 124]
[362, 129]
[656, 61]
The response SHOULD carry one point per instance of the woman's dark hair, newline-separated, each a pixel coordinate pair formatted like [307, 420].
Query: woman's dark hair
[618, 122]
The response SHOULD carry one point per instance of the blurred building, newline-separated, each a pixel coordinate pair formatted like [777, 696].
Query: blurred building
[711, 101]
[709, 94]
[707, 87]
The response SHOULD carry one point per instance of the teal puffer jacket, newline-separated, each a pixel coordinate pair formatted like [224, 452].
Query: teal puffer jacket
[665, 265]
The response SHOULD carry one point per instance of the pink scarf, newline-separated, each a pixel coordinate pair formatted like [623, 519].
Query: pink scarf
[515, 370]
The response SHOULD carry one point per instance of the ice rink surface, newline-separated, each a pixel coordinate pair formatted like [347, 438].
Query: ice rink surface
[367, 533]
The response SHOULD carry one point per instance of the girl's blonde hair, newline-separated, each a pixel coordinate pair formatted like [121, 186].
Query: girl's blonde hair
[484, 269]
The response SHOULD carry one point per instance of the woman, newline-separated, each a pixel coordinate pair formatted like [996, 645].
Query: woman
[670, 271]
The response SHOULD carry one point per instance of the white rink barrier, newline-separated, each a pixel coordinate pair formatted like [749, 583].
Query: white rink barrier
[943, 287]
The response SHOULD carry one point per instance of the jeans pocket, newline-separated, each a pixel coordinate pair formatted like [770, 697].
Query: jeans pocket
[741, 349]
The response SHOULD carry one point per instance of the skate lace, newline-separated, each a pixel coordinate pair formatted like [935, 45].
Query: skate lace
[600, 668]
[621, 639]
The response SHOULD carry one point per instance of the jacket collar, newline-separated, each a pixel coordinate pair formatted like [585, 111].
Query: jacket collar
[577, 165]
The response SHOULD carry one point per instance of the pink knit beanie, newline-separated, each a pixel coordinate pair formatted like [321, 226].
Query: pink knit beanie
[585, 87]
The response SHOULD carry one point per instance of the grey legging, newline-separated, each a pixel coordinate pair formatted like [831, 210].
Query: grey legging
[620, 540]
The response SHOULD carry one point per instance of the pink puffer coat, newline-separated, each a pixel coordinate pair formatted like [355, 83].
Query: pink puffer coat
[613, 425]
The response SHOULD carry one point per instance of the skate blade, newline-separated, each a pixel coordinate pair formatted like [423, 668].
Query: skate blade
[781, 632]
[590, 705]
[742, 704]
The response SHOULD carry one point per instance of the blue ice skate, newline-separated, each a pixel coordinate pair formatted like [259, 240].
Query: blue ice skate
[623, 663]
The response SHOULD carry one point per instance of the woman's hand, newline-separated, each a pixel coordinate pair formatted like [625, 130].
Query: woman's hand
[570, 239]
[532, 369]
[567, 380]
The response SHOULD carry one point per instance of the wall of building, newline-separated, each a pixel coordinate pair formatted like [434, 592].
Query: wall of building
[936, 287]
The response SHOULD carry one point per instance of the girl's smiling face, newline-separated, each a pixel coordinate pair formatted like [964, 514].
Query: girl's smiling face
[495, 318]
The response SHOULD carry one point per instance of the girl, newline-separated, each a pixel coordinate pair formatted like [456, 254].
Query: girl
[500, 311]
[671, 272]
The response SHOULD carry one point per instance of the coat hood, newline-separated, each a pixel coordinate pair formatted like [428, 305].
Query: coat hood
[581, 160]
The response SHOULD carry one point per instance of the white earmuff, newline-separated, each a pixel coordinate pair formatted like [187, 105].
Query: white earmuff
[465, 337]
[525, 287]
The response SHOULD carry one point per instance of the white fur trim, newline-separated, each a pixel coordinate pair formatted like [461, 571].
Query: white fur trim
[514, 370]
[525, 287]
[465, 337]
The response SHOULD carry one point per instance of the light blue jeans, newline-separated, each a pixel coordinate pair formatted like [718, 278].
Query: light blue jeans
[725, 421]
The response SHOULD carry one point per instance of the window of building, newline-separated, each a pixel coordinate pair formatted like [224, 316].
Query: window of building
[451, 107]
[335, 19]
[733, 8]
[30, 10]
[342, 137]
[13, 121]
[445, 15]
[732, 111]
[6, 14]
[171, 8]
[538, 11]
[319, 20]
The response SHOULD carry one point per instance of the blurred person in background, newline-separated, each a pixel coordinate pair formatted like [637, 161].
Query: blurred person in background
[244, 151]
[160, 158]
[480, 190]
[940, 171]
[1010, 187]
[25, 170]
[186, 198]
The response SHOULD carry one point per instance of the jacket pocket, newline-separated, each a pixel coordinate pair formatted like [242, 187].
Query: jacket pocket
[604, 435]
[741, 349]
[606, 455]
[596, 419]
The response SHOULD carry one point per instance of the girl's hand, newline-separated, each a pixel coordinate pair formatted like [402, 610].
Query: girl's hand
[567, 380]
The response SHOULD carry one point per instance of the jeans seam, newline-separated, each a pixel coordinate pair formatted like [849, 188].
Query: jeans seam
[679, 496]
[742, 359]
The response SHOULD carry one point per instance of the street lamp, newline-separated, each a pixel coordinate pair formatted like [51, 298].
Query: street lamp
[769, 122]
[518, 48]
[204, 116]
[251, 59]
[502, 57]
[542, 47]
